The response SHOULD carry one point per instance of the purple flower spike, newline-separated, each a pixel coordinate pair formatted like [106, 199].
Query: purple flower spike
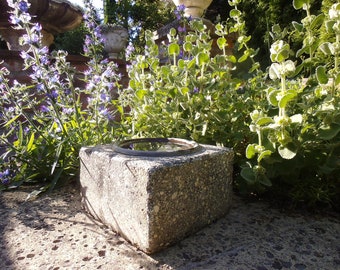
[44, 108]
[23, 6]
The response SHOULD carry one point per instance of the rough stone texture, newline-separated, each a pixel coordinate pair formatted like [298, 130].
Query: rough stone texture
[154, 202]
[53, 232]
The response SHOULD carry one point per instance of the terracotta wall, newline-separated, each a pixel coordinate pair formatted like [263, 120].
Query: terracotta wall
[14, 63]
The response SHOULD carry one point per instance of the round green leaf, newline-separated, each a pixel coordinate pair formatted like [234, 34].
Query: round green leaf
[181, 63]
[235, 13]
[287, 153]
[298, 4]
[272, 97]
[264, 121]
[250, 151]
[248, 175]
[187, 46]
[285, 99]
[221, 42]
[172, 32]
[232, 58]
[202, 58]
[173, 49]
[321, 75]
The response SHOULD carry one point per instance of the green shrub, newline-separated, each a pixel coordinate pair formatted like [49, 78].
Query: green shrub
[299, 128]
[194, 95]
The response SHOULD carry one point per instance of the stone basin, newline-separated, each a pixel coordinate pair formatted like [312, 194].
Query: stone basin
[156, 147]
[156, 201]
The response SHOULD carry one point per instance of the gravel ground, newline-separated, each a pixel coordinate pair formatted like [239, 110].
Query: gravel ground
[54, 232]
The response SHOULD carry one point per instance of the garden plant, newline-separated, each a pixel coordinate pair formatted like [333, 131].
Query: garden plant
[44, 124]
[282, 121]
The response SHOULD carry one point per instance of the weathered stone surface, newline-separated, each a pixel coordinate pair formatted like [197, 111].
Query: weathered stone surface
[154, 202]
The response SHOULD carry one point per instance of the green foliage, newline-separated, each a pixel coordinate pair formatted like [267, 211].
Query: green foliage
[194, 95]
[44, 123]
[71, 41]
[283, 123]
[299, 128]
[138, 16]
[261, 15]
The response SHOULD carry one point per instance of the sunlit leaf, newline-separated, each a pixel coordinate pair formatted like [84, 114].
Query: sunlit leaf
[204, 129]
[221, 42]
[337, 79]
[285, 99]
[264, 154]
[296, 118]
[184, 90]
[287, 153]
[329, 25]
[327, 48]
[173, 32]
[232, 59]
[243, 58]
[298, 4]
[30, 143]
[264, 121]
[141, 93]
[235, 13]
[321, 75]
[12, 120]
[272, 97]
[298, 26]
[165, 70]
[318, 20]
[181, 63]
[173, 49]
[192, 63]
[187, 46]
[202, 58]
[254, 67]
[274, 71]
[250, 151]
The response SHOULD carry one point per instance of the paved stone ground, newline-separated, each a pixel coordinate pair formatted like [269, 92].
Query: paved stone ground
[54, 233]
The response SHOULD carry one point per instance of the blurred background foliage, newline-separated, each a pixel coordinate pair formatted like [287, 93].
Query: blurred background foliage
[140, 15]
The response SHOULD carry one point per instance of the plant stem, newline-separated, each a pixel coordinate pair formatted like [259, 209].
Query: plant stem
[282, 111]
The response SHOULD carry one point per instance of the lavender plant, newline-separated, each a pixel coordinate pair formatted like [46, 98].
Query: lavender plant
[45, 122]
